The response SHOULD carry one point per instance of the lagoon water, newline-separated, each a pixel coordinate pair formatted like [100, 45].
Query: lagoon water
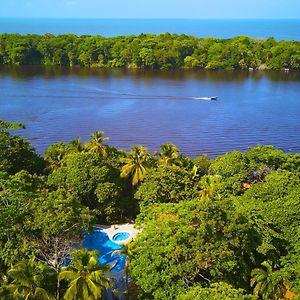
[154, 107]
[279, 29]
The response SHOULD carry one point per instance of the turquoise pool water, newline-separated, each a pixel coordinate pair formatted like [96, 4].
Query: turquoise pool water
[121, 236]
[99, 240]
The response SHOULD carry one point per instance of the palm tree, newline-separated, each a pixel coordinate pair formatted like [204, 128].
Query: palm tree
[85, 276]
[55, 155]
[208, 184]
[4, 287]
[136, 165]
[267, 283]
[29, 280]
[5, 126]
[75, 145]
[95, 145]
[128, 253]
[168, 155]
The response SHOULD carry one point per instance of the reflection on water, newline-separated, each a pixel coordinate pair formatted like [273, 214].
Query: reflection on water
[49, 72]
[154, 107]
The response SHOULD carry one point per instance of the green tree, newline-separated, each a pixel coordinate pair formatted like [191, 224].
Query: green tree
[55, 155]
[208, 185]
[95, 145]
[75, 145]
[58, 221]
[192, 242]
[17, 154]
[4, 125]
[168, 155]
[94, 182]
[162, 51]
[216, 291]
[276, 201]
[17, 192]
[202, 163]
[29, 281]
[136, 165]
[267, 283]
[234, 168]
[85, 276]
[166, 184]
[267, 156]
[126, 251]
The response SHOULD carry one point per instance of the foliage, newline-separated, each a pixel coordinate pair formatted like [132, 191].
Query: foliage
[85, 276]
[208, 185]
[169, 154]
[162, 51]
[267, 283]
[234, 168]
[192, 242]
[94, 182]
[206, 223]
[17, 154]
[58, 221]
[31, 280]
[55, 155]
[276, 200]
[216, 291]
[165, 184]
[267, 156]
[136, 165]
[95, 145]
[4, 125]
[203, 164]
[16, 196]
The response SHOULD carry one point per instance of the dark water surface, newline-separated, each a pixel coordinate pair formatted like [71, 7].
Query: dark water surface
[279, 29]
[154, 107]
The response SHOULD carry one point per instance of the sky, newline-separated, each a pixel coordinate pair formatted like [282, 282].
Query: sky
[145, 9]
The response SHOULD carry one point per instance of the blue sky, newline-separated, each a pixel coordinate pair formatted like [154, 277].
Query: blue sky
[195, 9]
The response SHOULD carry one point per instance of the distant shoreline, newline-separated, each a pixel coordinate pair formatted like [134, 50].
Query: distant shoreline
[150, 51]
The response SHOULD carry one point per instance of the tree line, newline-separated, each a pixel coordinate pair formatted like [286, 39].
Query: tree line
[223, 228]
[148, 51]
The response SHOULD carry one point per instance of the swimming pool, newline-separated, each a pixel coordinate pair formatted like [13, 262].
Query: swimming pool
[99, 240]
[121, 236]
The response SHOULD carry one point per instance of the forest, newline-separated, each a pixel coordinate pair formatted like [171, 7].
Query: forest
[211, 228]
[148, 51]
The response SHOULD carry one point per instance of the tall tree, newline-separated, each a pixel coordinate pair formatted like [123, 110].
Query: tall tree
[168, 155]
[128, 253]
[136, 165]
[85, 276]
[75, 145]
[95, 145]
[58, 222]
[55, 155]
[267, 283]
[208, 185]
[29, 279]
[16, 152]
[192, 242]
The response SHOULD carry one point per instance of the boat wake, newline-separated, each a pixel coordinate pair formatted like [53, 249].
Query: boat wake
[114, 94]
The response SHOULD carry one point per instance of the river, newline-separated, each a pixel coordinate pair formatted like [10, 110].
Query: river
[154, 107]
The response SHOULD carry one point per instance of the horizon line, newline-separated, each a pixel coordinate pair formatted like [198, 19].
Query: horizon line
[137, 18]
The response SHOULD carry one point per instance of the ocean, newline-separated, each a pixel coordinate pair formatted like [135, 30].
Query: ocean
[279, 29]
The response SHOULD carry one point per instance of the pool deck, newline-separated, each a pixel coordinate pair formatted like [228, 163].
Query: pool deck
[111, 230]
